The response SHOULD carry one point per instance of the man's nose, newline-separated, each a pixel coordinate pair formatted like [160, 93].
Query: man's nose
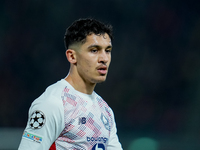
[104, 57]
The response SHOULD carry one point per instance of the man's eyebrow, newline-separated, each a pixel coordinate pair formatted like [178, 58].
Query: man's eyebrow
[110, 46]
[98, 46]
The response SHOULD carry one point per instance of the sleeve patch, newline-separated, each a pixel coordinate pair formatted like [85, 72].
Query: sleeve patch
[37, 120]
[32, 137]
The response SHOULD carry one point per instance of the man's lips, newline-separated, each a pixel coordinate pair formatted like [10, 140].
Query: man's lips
[102, 69]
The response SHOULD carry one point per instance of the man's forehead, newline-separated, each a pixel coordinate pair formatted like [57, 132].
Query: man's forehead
[93, 39]
[96, 38]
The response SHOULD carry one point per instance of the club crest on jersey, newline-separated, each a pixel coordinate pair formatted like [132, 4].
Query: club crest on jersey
[37, 120]
[105, 121]
[98, 146]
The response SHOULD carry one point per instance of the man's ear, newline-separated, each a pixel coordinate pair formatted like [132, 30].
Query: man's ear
[71, 56]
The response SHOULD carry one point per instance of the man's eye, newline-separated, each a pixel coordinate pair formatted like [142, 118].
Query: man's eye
[108, 51]
[93, 50]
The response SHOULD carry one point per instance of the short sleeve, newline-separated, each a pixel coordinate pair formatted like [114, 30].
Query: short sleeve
[45, 123]
[113, 143]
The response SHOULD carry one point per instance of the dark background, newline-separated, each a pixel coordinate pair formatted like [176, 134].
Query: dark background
[153, 85]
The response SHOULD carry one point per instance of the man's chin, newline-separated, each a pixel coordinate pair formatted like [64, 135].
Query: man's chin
[100, 80]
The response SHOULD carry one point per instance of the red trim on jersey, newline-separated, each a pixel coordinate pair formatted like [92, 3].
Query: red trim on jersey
[53, 146]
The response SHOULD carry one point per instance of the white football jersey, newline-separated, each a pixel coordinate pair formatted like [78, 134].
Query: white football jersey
[63, 118]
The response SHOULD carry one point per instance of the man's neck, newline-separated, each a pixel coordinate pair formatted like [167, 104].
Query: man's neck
[80, 85]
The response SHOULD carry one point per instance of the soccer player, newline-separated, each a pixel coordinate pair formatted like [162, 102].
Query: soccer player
[69, 115]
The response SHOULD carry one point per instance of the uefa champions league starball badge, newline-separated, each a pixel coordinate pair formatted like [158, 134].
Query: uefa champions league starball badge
[37, 120]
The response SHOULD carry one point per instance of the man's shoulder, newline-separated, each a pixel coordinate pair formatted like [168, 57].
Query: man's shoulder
[51, 95]
[55, 88]
[102, 102]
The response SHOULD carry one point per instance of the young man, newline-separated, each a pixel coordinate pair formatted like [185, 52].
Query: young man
[69, 115]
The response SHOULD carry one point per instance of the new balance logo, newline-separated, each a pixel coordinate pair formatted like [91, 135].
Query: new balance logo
[82, 120]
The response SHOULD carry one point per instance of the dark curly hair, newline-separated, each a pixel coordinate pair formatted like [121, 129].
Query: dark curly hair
[79, 30]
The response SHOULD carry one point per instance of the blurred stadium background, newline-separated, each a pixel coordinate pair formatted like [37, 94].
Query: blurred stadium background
[153, 84]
